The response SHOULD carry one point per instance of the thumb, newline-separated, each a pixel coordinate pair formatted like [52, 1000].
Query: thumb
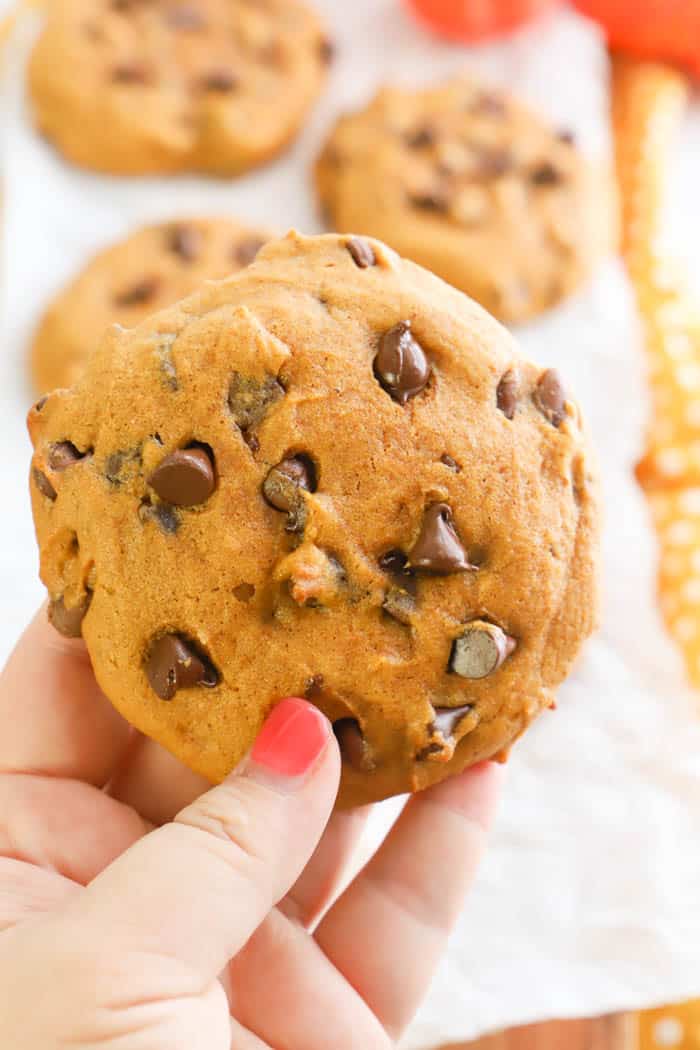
[196, 889]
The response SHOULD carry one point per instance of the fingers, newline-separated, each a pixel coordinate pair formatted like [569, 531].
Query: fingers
[155, 783]
[388, 930]
[26, 891]
[196, 889]
[54, 719]
[64, 825]
[320, 879]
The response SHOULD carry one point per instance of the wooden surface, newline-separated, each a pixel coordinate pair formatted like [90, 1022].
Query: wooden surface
[606, 1033]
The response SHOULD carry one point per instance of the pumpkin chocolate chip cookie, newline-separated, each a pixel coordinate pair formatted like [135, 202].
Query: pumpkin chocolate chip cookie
[469, 183]
[150, 269]
[141, 86]
[330, 475]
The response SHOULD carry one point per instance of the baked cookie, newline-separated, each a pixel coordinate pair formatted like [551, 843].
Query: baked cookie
[469, 183]
[127, 282]
[333, 476]
[139, 86]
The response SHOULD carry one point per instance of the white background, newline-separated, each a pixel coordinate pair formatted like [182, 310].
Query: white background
[588, 899]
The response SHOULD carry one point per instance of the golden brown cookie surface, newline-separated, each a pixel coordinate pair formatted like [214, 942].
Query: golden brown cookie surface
[139, 86]
[322, 477]
[151, 269]
[469, 183]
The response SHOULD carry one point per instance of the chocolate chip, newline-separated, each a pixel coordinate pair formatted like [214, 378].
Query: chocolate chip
[43, 484]
[430, 201]
[249, 399]
[41, 402]
[251, 440]
[489, 103]
[400, 605]
[131, 73]
[221, 80]
[438, 548]
[451, 463]
[314, 687]
[421, 137]
[448, 718]
[550, 397]
[494, 163]
[394, 562]
[353, 746]
[185, 241]
[69, 621]
[362, 252]
[244, 592]
[283, 489]
[545, 174]
[64, 455]
[401, 365]
[480, 650]
[115, 462]
[507, 393]
[185, 478]
[138, 294]
[326, 50]
[566, 136]
[165, 515]
[184, 17]
[174, 663]
[245, 251]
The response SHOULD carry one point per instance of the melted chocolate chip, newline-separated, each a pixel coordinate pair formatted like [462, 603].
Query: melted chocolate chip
[185, 478]
[220, 80]
[422, 137]
[353, 746]
[185, 242]
[401, 365]
[184, 17]
[494, 163]
[314, 687]
[438, 548]
[450, 463]
[394, 562]
[545, 174]
[69, 621]
[174, 663]
[116, 461]
[480, 650]
[362, 252]
[448, 718]
[43, 484]
[162, 513]
[41, 402]
[245, 251]
[550, 397]
[244, 592]
[507, 393]
[488, 103]
[430, 201]
[283, 489]
[249, 398]
[566, 136]
[326, 50]
[64, 455]
[131, 73]
[138, 294]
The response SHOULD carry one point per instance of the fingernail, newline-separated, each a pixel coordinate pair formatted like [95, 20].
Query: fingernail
[290, 744]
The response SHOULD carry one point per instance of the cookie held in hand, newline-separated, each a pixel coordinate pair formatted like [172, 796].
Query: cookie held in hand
[330, 475]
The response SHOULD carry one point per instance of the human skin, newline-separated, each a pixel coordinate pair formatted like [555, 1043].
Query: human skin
[140, 909]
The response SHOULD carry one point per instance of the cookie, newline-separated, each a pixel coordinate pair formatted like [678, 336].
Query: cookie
[139, 86]
[330, 475]
[152, 268]
[469, 183]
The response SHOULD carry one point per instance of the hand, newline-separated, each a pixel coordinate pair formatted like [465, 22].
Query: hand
[141, 911]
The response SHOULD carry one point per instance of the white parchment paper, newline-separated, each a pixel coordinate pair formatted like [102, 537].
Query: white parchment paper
[589, 899]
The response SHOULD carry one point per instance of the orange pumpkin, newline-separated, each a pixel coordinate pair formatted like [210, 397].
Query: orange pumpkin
[472, 20]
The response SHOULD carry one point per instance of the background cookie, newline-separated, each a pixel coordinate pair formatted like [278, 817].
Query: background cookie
[470, 184]
[330, 475]
[136, 86]
[151, 269]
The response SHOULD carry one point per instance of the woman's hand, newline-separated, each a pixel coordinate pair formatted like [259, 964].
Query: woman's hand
[142, 910]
